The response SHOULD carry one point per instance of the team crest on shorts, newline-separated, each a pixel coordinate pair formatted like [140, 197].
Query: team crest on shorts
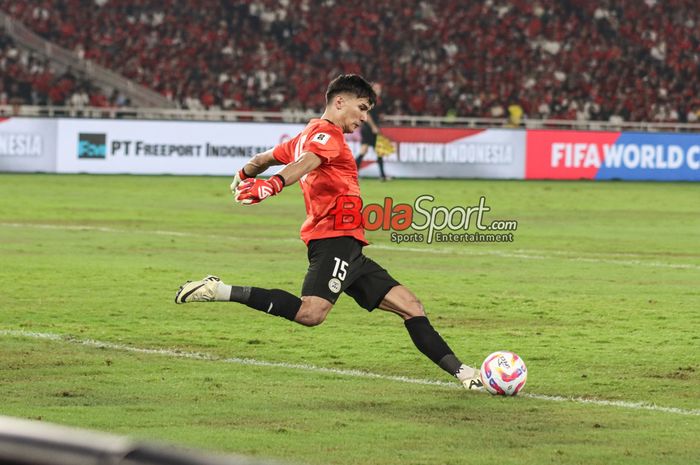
[334, 285]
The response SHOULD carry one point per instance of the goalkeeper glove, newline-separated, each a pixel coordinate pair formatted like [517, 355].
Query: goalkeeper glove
[252, 191]
[240, 176]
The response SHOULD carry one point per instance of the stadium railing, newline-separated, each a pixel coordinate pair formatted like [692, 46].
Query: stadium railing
[297, 116]
[29, 442]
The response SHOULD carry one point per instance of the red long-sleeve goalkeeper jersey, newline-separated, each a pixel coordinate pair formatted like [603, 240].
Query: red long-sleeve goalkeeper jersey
[335, 177]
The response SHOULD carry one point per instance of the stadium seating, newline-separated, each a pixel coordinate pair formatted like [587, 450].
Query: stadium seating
[626, 60]
[28, 79]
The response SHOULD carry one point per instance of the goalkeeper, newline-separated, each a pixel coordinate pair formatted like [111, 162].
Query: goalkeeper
[368, 136]
[321, 161]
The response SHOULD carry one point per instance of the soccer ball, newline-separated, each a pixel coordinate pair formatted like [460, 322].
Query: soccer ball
[503, 373]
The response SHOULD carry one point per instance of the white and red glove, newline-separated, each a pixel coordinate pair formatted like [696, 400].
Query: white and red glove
[240, 176]
[251, 191]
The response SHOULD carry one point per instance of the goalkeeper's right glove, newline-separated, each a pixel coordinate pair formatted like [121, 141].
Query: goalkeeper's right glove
[240, 176]
[252, 191]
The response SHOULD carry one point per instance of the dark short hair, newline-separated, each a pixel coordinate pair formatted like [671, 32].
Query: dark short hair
[351, 84]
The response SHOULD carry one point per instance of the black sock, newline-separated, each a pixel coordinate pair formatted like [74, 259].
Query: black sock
[273, 301]
[431, 344]
[380, 162]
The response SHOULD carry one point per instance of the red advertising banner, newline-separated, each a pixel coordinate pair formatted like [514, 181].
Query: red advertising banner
[565, 154]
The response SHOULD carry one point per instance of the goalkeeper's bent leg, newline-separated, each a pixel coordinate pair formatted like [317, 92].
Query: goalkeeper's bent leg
[403, 302]
[431, 344]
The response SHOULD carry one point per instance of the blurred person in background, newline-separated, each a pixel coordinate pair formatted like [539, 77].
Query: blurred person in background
[369, 132]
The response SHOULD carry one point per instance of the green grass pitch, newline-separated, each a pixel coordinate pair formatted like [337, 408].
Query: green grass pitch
[599, 293]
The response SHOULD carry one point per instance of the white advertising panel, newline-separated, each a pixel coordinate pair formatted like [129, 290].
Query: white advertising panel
[451, 153]
[163, 147]
[28, 144]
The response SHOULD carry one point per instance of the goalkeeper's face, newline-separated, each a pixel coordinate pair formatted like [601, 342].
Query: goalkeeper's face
[352, 112]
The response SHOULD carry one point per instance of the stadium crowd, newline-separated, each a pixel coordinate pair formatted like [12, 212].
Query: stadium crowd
[28, 79]
[619, 60]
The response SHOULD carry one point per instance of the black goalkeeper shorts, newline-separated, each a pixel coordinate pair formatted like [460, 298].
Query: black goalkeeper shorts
[337, 265]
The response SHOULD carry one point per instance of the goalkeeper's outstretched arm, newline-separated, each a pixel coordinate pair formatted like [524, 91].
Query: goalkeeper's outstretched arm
[251, 191]
[259, 164]
[307, 162]
[255, 166]
[291, 173]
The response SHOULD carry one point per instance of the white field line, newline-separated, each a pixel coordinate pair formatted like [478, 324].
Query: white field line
[517, 254]
[175, 353]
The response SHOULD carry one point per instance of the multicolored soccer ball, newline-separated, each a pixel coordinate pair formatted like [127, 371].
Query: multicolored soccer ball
[503, 373]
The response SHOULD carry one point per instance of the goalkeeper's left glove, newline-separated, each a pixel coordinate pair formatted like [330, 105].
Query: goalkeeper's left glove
[252, 191]
[240, 176]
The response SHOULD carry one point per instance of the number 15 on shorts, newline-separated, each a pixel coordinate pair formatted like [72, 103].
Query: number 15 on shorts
[340, 269]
